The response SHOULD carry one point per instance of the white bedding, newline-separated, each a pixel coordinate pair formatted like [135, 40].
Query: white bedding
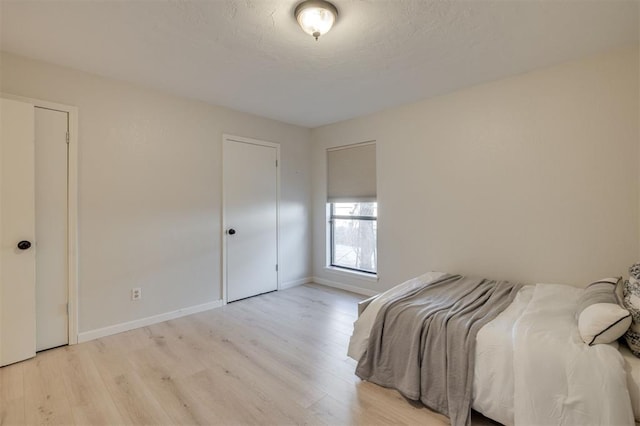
[554, 378]
[632, 367]
[558, 379]
[493, 370]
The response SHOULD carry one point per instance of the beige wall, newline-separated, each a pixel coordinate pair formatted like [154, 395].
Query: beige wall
[150, 191]
[530, 178]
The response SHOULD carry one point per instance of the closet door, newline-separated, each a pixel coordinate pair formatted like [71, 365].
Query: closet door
[52, 294]
[251, 217]
[17, 232]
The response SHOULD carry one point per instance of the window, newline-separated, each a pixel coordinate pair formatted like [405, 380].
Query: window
[353, 210]
[353, 228]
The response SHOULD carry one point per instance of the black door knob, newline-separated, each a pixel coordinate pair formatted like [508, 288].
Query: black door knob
[24, 245]
[231, 231]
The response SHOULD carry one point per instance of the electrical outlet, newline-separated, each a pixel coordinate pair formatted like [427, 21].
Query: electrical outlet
[136, 293]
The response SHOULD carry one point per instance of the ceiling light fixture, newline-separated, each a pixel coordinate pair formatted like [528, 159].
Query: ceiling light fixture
[316, 17]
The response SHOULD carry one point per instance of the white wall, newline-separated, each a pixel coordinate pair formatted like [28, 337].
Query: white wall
[150, 191]
[531, 178]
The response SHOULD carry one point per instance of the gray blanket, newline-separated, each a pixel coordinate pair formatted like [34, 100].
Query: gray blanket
[423, 343]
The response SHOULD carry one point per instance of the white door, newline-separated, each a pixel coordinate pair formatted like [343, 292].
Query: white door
[51, 228]
[17, 232]
[251, 218]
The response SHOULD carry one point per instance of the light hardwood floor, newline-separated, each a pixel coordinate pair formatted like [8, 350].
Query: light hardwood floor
[274, 359]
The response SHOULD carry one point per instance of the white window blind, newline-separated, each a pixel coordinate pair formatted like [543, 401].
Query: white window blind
[351, 173]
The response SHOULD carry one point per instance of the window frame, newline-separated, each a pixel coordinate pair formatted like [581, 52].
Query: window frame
[332, 217]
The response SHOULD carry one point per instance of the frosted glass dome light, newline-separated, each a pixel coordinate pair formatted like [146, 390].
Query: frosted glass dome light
[316, 17]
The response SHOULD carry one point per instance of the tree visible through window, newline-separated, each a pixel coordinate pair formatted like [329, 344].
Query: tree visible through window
[354, 235]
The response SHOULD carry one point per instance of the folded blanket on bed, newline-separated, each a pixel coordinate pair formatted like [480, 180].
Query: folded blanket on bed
[423, 343]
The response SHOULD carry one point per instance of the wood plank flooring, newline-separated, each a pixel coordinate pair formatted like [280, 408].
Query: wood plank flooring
[275, 359]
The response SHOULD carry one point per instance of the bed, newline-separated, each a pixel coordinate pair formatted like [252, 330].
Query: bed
[530, 365]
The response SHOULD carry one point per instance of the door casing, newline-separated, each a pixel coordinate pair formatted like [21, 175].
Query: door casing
[72, 205]
[223, 235]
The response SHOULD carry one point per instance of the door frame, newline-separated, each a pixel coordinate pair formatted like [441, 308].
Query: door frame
[223, 235]
[72, 205]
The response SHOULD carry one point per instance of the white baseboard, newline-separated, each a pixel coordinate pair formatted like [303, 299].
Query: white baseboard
[294, 283]
[351, 288]
[85, 336]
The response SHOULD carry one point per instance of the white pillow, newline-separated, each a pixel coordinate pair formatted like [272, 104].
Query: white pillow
[603, 323]
[601, 319]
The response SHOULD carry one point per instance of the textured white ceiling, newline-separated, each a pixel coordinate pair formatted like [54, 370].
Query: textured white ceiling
[251, 55]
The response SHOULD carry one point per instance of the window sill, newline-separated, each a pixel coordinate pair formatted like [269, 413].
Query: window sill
[353, 274]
